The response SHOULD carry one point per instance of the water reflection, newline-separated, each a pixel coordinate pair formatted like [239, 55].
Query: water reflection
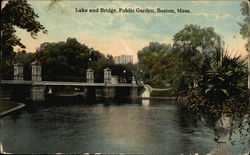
[159, 128]
[145, 103]
[146, 94]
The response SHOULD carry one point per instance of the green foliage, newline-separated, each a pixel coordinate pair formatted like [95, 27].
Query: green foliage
[159, 64]
[154, 62]
[225, 77]
[118, 70]
[192, 42]
[195, 37]
[20, 14]
[66, 60]
[222, 89]
[191, 45]
[16, 13]
[245, 25]
[152, 52]
[164, 68]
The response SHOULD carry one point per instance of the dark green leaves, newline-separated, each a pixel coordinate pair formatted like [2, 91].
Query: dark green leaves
[245, 25]
[225, 77]
[17, 13]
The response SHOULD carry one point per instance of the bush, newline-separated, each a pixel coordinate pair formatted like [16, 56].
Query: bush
[222, 89]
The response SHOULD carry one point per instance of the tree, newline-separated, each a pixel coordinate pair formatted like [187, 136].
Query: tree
[192, 41]
[165, 70]
[20, 14]
[245, 30]
[196, 39]
[245, 25]
[66, 60]
[148, 58]
[191, 45]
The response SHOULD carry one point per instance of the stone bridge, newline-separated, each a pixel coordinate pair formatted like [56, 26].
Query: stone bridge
[36, 89]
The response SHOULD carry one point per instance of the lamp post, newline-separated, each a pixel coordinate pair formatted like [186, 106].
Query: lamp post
[141, 71]
[108, 60]
[124, 77]
[89, 62]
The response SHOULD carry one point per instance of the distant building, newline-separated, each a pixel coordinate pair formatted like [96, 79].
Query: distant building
[124, 59]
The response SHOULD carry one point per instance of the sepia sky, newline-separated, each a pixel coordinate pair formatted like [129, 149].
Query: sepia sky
[126, 33]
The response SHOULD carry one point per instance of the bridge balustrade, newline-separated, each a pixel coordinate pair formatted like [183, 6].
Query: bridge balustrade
[37, 87]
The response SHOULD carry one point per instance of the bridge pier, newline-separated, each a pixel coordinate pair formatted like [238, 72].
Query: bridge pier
[37, 93]
[107, 75]
[108, 92]
[133, 91]
[90, 93]
[36, 90]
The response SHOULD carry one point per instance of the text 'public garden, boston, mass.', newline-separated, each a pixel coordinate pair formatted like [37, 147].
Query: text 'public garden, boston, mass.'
[131, 10]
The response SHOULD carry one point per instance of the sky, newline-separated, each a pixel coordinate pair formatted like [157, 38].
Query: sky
[127, 33]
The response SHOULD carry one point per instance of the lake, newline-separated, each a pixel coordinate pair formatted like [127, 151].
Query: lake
[150, 127]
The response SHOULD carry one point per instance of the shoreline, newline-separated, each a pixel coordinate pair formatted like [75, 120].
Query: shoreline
[161, 98]
[20, 105]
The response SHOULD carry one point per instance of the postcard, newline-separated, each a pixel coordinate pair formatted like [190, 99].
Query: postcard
[125, 77]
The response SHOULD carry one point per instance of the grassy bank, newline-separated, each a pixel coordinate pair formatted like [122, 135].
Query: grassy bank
[6, 106]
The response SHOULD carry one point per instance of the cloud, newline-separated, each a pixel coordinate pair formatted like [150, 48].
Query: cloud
[121, 33]
[58, 4]
[199, 2]
[215, 16]
[51, 5]
[162, 37]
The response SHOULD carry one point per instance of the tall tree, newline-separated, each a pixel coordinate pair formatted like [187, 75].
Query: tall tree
[245, 25]
[16, 13]
[194, 39]
[66, 60]
[192, 43]
[166, 69]
[245, 30]
[148, 58]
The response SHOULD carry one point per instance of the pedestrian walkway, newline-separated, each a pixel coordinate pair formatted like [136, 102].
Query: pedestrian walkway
[9, 106]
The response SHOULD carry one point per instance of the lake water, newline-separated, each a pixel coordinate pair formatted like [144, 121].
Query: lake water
[149, 127]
